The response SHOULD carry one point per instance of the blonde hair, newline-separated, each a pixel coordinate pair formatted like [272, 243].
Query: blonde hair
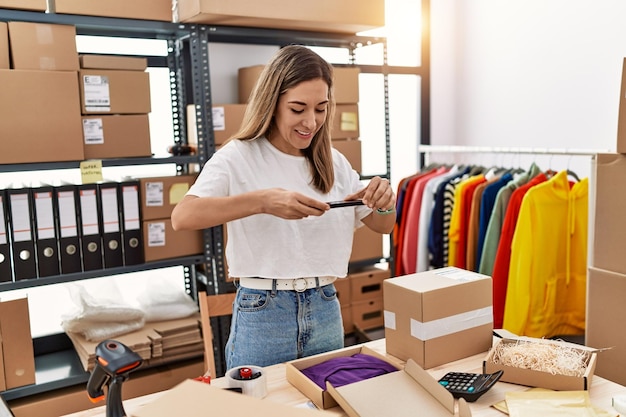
[290, 66]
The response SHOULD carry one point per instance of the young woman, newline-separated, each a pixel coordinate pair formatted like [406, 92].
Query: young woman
[271, 184]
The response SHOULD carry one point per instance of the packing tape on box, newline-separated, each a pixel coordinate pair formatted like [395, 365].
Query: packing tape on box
[251, 379]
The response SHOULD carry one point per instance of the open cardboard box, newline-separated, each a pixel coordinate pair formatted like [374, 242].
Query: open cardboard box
[192, 398]
[541, 379]
[322, 398]
[398, 393]
[406, 393]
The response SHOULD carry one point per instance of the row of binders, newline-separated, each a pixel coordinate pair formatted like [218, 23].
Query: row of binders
[51, 230]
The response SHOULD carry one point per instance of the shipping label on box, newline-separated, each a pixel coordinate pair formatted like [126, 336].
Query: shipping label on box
[438, 316]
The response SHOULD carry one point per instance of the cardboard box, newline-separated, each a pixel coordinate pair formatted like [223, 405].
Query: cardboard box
[610, 204]
[159, 195]
[161, 241]
[227, 120]
[406, 393]
[346, 83]
[190, 396]
[438, 316]
[37, 5]
[43, 46]
[348, 16]
[136, 9]
[533, 378]
[368, 314]
[351, 149]
[368, 283]
[3, 382]
[346, 122]
[606, 313]
[246, 81]
[114, 91]
[17, 343]
[74, 399]
[342, 285]
[41, 114]
[367, 245]
[621, 120]
[4, 46]
[322, 398]
[116, 136]
[346, 318]
[114, 62]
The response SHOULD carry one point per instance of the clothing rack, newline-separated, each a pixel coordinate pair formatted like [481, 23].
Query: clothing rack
[427, 149]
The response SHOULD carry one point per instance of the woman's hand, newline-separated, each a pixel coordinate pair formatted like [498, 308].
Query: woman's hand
[378, 195]
[290, 204]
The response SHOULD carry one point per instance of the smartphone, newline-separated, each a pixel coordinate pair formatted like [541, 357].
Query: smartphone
[347, 203]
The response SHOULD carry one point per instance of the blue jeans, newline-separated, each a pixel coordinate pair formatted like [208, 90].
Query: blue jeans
[274, 326]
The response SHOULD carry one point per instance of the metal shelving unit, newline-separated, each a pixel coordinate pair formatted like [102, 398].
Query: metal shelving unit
[188, 64]
[56, 362]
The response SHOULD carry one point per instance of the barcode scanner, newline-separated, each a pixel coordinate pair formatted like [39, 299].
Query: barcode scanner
[114, 363]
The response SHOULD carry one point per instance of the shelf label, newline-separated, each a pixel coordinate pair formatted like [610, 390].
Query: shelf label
[91, 171]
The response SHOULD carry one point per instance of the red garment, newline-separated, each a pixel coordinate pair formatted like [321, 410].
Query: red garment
[408, 195]
[412, 216]
[500, 275]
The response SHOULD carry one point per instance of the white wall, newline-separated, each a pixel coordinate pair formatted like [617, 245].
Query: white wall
[531, 73]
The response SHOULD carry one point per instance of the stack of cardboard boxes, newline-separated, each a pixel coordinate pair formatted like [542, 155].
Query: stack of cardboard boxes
[40, 102]
[115, 102]
[361, 297]
[606, 285]
[159, 196]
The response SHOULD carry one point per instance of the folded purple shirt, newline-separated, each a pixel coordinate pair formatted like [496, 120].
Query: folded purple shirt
[346, 370]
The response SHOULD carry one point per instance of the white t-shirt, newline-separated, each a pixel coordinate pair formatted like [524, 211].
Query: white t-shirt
[264, 245]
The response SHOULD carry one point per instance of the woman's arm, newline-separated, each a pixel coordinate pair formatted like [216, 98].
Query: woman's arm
[195, 213]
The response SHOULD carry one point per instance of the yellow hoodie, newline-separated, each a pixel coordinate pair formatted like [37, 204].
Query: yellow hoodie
[548, 270]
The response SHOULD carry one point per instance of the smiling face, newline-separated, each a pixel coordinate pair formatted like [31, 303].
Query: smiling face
[300, 113]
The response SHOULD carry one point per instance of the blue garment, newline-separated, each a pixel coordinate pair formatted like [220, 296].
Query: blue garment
[436, 237]
[274, 326]
[487, 201]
